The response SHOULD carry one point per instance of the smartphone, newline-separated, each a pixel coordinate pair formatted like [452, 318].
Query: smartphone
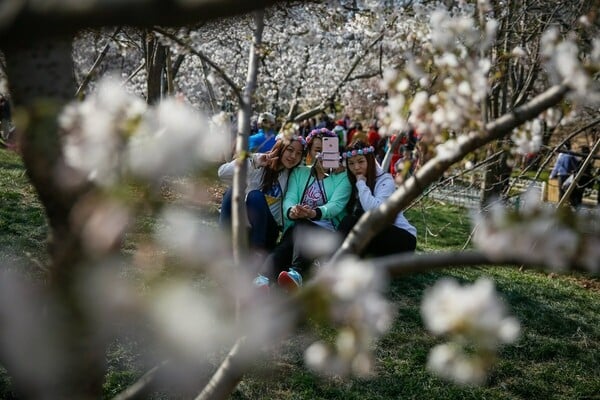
[331, 153]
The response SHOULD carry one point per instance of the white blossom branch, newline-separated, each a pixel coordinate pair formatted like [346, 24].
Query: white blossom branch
[410, 263]
[347, 78]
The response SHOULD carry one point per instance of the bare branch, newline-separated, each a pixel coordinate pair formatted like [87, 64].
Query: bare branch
[238, 207]
[92, 70]
[310, 113]
[26, 22]
[207, 60]
[404, 264]
[579, 174]
[229, 374]
[138, 389]
[136, 71]
[565, 140]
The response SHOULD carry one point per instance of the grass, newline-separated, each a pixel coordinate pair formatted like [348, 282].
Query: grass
[557, 356]
[23, 228]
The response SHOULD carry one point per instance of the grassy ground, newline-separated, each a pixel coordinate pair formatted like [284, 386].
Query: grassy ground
[557, 357]
[23, 228]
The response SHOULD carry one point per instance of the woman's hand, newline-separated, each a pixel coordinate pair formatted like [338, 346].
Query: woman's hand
[361, 178]
[267, 160]
[300, 211]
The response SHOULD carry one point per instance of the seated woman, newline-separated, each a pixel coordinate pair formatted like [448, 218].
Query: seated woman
[267, 181]
[316, 198]
[371, 186]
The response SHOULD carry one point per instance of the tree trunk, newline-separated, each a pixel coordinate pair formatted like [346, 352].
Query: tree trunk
[156, 63]
[42, 95]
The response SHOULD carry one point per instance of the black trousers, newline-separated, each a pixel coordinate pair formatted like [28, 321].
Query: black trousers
[390, 240]
[288, 253]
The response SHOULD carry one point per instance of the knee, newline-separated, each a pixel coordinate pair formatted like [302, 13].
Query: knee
[254, 195]
[255, 198]
[227, 196]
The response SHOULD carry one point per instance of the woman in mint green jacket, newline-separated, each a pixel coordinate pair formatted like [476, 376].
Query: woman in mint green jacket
[315, 198]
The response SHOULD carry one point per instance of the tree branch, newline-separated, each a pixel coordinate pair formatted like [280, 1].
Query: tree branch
[138, 389]
[92, 70]
[207, 60]
[582, 170]
[24, 21]
[404, 264]
[229, 374]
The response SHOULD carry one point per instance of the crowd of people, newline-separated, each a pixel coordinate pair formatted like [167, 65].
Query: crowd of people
[291, 190]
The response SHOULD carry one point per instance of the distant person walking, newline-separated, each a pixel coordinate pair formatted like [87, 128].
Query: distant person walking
[585, 181]
[566, 164]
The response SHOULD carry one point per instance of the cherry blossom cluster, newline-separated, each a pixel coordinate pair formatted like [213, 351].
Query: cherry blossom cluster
[563, 64]
[475, 321]
[449, 48]
[352, 290]
[112, 135]
[536, 232]
[528, 137]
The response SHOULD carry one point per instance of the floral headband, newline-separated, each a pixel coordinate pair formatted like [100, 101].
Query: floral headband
[292, 138]
[319, 132]
[358, 152]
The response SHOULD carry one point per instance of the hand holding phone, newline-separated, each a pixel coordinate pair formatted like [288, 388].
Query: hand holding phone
[330, 155]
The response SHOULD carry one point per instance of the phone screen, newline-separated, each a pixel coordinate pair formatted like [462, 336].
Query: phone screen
[330, 154]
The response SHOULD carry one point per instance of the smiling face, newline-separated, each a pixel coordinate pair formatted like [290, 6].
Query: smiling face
[358, 165]
[292, 155]
[316, 147]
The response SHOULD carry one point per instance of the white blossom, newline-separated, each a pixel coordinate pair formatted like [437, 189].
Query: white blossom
[357, 306]
[528, 137]
[452, 363]
[96, 130]
[474, 312]
[539, 238]
[470, 316]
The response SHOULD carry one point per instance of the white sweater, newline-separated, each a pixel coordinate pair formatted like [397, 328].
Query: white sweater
[384, 187]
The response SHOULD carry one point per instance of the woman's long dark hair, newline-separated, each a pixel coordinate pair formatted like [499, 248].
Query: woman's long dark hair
[272, 170]
[371, 173]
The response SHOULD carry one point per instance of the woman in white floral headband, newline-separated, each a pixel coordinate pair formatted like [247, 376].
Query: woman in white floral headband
[371, 186]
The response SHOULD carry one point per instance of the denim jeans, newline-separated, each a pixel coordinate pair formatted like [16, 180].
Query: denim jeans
[263, 230]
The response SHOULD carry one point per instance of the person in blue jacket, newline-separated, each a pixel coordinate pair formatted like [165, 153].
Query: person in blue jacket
[264, 140]
[566, 164]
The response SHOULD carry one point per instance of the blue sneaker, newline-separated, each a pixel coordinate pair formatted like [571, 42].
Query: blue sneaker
[261, 282]
[290, 280]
